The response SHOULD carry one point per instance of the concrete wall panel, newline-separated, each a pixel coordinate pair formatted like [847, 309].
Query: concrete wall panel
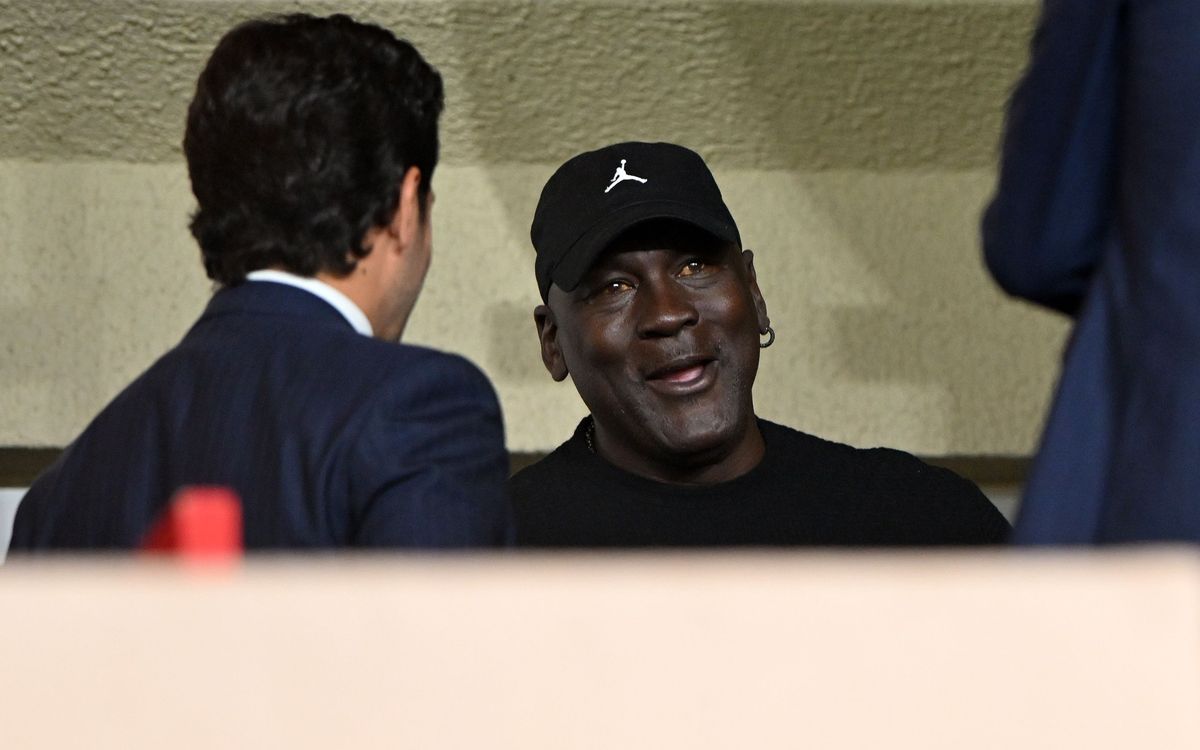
[854, 141]
[797, 84]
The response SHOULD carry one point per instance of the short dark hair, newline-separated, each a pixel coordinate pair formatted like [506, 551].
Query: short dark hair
[297, 139]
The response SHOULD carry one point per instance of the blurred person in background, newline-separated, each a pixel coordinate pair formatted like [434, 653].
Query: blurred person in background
[1097, 216]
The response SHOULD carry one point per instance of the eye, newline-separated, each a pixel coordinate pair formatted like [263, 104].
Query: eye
[693, 267]
[612, 286]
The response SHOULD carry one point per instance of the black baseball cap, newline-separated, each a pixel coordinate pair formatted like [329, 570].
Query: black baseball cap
[598, 195]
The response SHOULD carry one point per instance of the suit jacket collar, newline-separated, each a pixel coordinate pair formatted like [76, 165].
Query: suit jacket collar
[270, 298]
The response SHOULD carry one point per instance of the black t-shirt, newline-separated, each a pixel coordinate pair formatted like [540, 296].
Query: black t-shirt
[805, 491]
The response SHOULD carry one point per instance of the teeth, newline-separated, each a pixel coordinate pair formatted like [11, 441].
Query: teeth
[683, 376]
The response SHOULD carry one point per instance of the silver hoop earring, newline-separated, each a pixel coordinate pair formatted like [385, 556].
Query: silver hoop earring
[770, 338]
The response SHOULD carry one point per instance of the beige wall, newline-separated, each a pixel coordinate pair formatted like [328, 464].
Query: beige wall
[854, 141]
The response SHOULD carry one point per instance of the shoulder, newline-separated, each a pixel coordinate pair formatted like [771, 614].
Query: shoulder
[891, 465]
[426, 443]
[431, 401]
[880, 464]
[791, 445]
[557, 488]
[841, 463]
[935, 500]
[414, 355]
[535, 482]
[911, 500]
[418, 372]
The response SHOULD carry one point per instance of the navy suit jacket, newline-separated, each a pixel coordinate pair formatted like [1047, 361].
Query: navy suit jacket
[1097, 215]
[330, 438]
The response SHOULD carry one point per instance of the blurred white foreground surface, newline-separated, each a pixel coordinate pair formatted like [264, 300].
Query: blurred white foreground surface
[925, 650]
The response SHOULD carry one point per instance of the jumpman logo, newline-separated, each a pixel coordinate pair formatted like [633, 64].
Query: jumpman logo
[621, 175]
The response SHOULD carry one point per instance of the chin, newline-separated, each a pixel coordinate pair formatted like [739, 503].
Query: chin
[701, 433]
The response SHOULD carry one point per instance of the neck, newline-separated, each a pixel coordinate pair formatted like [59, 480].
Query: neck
[712, 465]
[363, 289]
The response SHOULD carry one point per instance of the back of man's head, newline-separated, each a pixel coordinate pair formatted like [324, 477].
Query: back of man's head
[297, 139]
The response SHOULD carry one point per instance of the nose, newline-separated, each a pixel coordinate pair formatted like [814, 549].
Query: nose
[664, 308]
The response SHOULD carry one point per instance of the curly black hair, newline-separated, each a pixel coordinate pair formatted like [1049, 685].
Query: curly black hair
[298, 138]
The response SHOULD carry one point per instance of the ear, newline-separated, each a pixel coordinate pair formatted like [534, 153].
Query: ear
[406, 223]
[552, 356]
[760, 304]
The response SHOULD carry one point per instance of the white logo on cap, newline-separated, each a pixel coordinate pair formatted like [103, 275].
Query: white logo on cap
[621, 176]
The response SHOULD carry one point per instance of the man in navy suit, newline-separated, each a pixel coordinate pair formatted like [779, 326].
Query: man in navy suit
[1097, 215]
[310, 144]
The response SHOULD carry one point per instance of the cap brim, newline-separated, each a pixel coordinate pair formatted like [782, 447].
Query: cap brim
[583, 253]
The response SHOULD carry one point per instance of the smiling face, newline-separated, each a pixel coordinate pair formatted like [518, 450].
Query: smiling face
[661, 341]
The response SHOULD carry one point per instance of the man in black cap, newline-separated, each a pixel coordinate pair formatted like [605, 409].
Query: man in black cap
[652, 307]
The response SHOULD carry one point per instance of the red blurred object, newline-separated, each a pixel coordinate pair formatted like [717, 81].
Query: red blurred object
[199, 523]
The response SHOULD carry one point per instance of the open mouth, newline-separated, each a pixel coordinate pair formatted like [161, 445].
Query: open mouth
[681, 373]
